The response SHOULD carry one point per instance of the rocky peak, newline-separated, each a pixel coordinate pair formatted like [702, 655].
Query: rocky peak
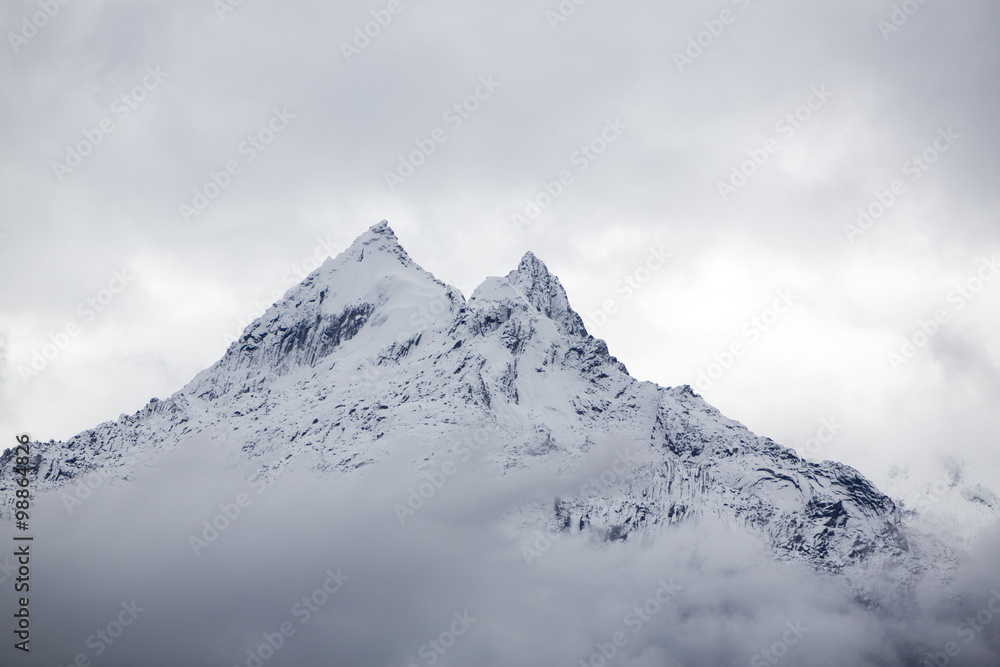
[544, 291]
[378, 240]
[532, 286]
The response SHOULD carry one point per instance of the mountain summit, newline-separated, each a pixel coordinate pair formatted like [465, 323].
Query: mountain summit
[545, 293]
[371, 356]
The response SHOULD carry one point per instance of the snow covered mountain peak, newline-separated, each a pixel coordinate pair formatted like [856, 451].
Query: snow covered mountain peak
[533, 287]
[371, 357]
[544, 291]
[378, 239]
[372, 286]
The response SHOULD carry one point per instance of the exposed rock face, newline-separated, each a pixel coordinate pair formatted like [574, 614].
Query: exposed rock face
[372, 353]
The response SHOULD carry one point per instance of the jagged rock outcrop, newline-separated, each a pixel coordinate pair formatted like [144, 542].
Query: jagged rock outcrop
[371, 351]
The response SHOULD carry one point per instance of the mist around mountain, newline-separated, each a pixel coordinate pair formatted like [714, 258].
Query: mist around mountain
[382, 471]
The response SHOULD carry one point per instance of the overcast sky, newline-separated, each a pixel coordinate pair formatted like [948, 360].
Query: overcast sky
[179, 163]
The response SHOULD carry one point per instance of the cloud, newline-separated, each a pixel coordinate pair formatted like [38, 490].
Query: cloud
[322, 570]
[324, 176]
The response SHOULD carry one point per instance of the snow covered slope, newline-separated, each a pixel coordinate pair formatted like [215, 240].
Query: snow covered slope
[372, 357]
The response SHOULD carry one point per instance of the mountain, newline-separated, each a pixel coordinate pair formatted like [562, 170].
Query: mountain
[371, 356]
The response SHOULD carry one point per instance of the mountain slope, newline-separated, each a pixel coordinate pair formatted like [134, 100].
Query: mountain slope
[372, 357]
